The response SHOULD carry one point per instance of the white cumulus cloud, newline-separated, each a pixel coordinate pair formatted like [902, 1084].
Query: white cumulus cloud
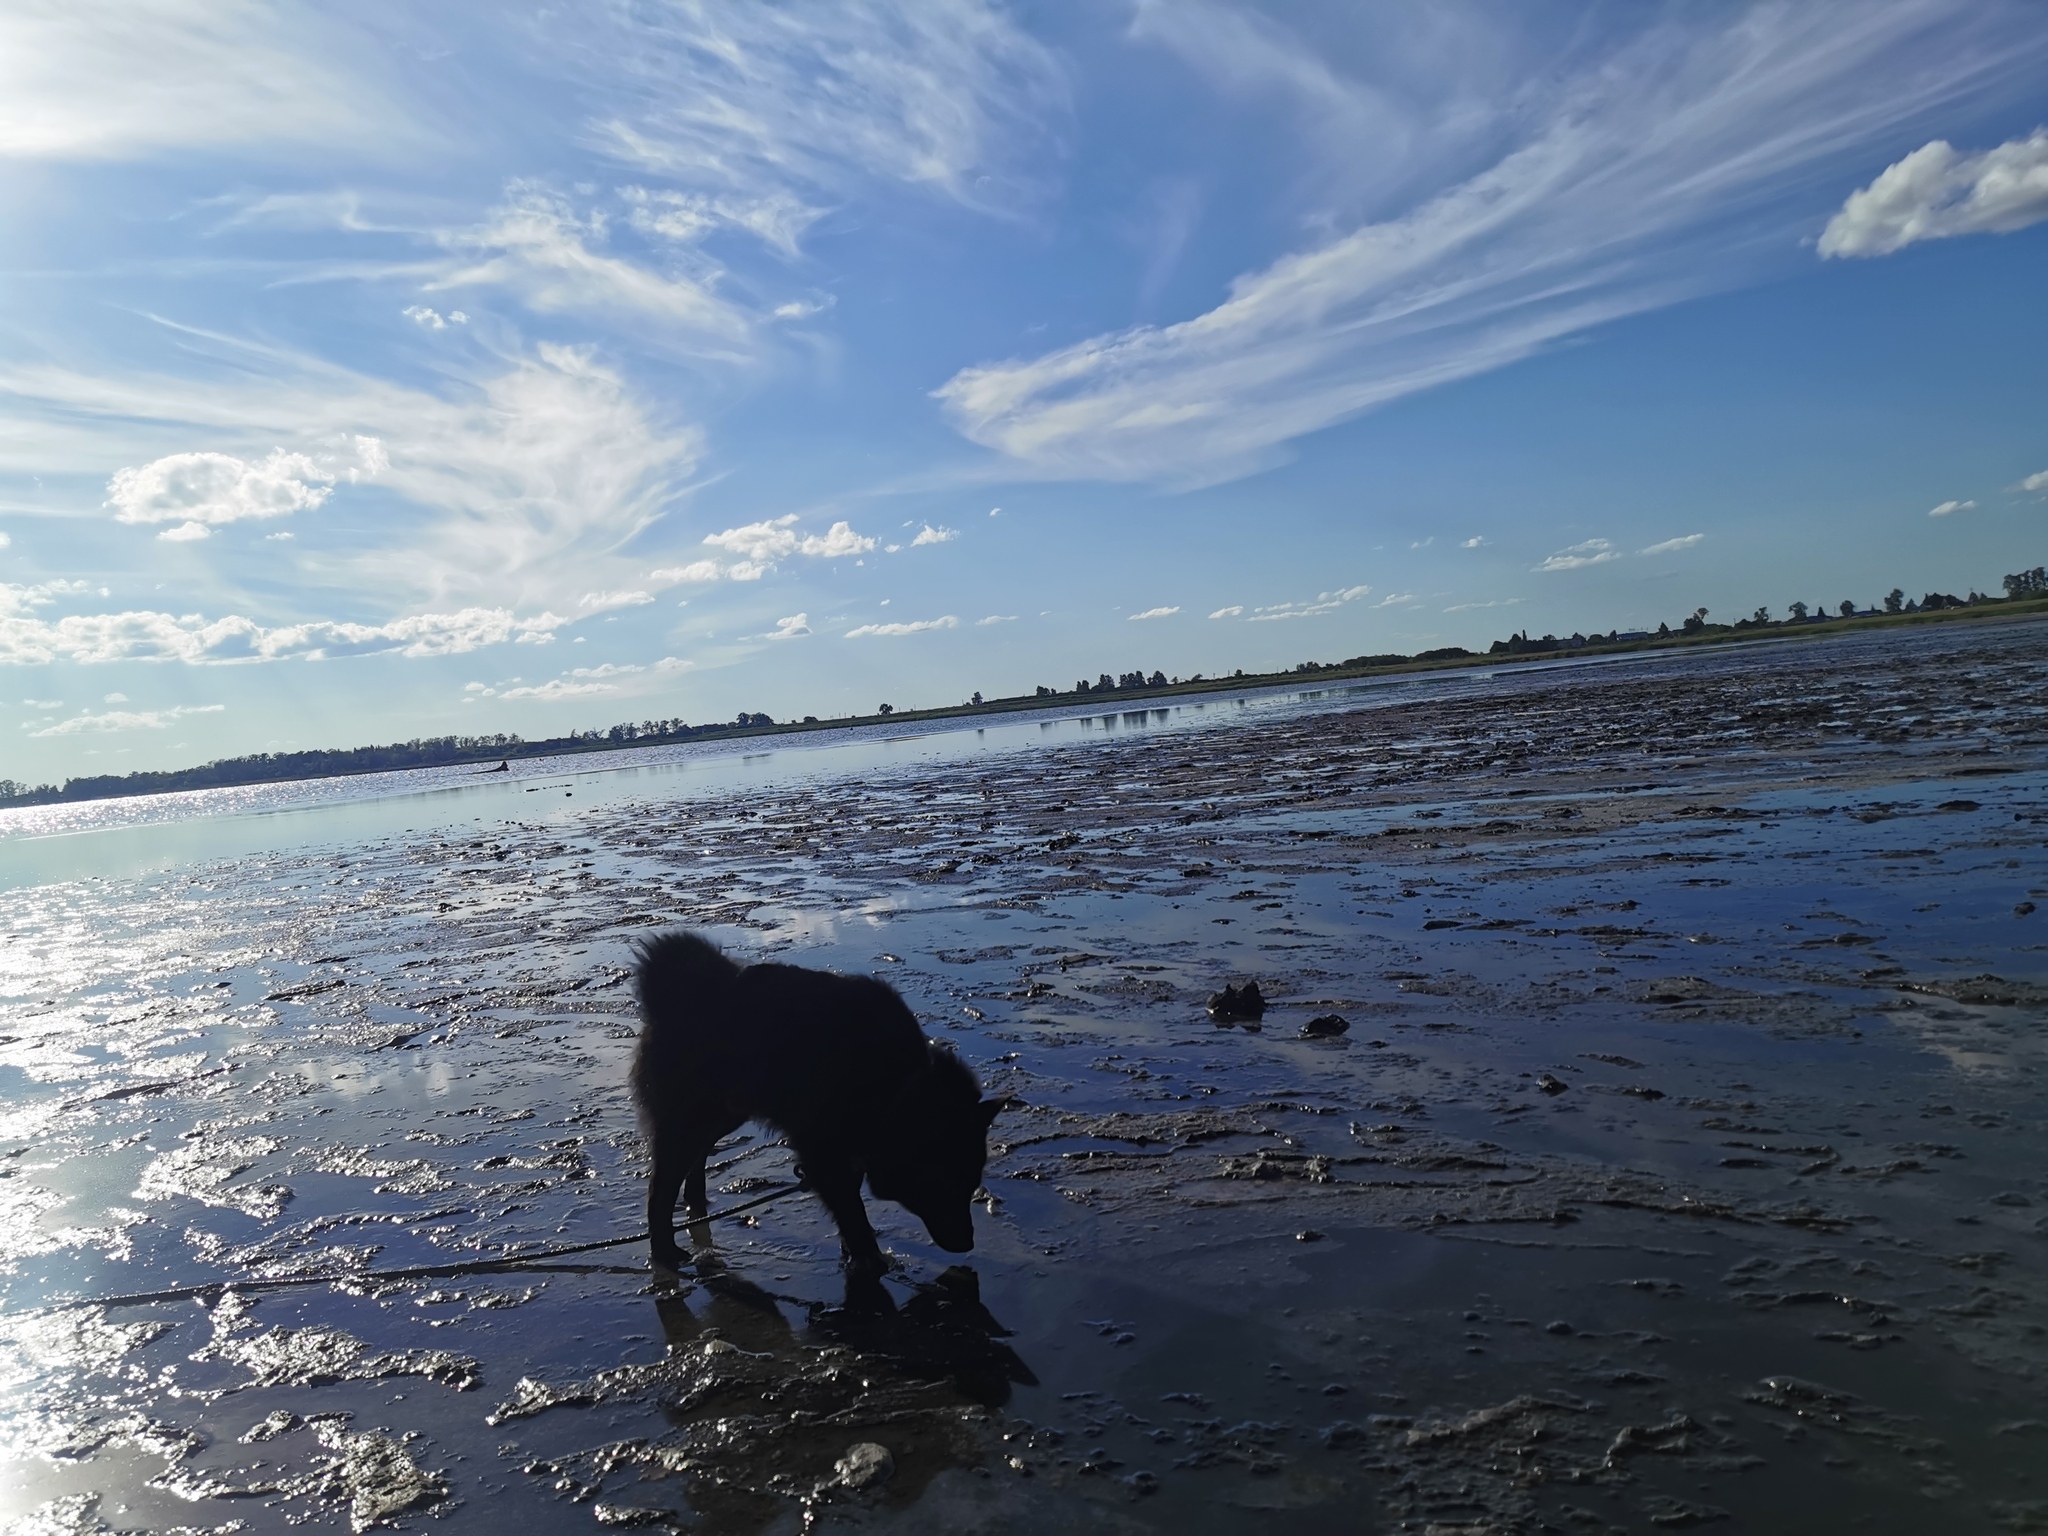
[914, 627]
[1589, 552]
[597, 602]
[930, 535]
[558, 688]
[1155, 613]
[433, 320]
[793, 626]
[1951, 508]
[998, 618]
[696, 570]
[202, 490]
[1937, 192]
[760, 545]
[2037, 482]
[1672, 546]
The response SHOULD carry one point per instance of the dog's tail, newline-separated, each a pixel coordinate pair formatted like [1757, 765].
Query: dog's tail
[679, 976]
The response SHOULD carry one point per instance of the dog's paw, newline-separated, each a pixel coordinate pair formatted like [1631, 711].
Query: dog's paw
[865, 1266]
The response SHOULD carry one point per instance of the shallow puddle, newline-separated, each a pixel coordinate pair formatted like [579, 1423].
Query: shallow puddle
[1677, 1162]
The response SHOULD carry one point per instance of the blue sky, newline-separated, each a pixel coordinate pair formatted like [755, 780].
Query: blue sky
[381, 370]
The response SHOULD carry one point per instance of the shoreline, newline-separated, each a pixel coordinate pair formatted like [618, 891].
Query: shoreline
[1818, 628]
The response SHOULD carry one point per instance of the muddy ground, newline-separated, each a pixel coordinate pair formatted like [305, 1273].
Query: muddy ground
[1680, 1163]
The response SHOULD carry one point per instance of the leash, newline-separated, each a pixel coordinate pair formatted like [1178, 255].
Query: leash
[416, 1272]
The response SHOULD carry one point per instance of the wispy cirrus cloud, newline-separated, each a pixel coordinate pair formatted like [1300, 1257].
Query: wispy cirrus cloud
[527, 481]
[950, 95]
[1672, 546]
[777, 219]
[1323, 602]
[912, 627]
[1154, 613]
[1937, 193]
[115, 79]
[541, 247]
[146, 635]
[1499, 602]
[1656, 170]
[1951, 508]
[125, 720]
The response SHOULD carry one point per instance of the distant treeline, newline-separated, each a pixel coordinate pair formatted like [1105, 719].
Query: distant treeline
[421, 752]
[449, 751]
[2019, 587]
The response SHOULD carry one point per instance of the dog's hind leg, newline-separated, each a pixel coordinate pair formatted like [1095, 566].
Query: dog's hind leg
[709, 1128]
[664, 1183]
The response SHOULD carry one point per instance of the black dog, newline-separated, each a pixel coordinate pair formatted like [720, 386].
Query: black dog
[835, 1063]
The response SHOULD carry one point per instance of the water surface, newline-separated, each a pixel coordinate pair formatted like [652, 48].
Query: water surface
[1680, 1162]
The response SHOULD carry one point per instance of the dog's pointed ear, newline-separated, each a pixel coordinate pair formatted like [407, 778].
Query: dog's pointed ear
[990, 1108]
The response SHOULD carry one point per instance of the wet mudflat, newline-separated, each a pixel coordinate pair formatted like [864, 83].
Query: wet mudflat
[1680, 1163]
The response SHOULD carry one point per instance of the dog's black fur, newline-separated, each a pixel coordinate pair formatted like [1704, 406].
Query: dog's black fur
[835, 1063]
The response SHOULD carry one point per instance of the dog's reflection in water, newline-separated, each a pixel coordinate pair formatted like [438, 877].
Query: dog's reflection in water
[940, 1333]
[735, 1310]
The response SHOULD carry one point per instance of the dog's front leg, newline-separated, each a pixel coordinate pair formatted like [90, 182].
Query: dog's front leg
[840, 1190]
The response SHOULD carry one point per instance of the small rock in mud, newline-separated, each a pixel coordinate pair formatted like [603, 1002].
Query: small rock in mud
[628, 1515]
[280, 1421]
[1550, 1084]
[376, 1475]
[1309, 1236]
[1233, 1004]
[865, 1465]
[1325, 1026]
